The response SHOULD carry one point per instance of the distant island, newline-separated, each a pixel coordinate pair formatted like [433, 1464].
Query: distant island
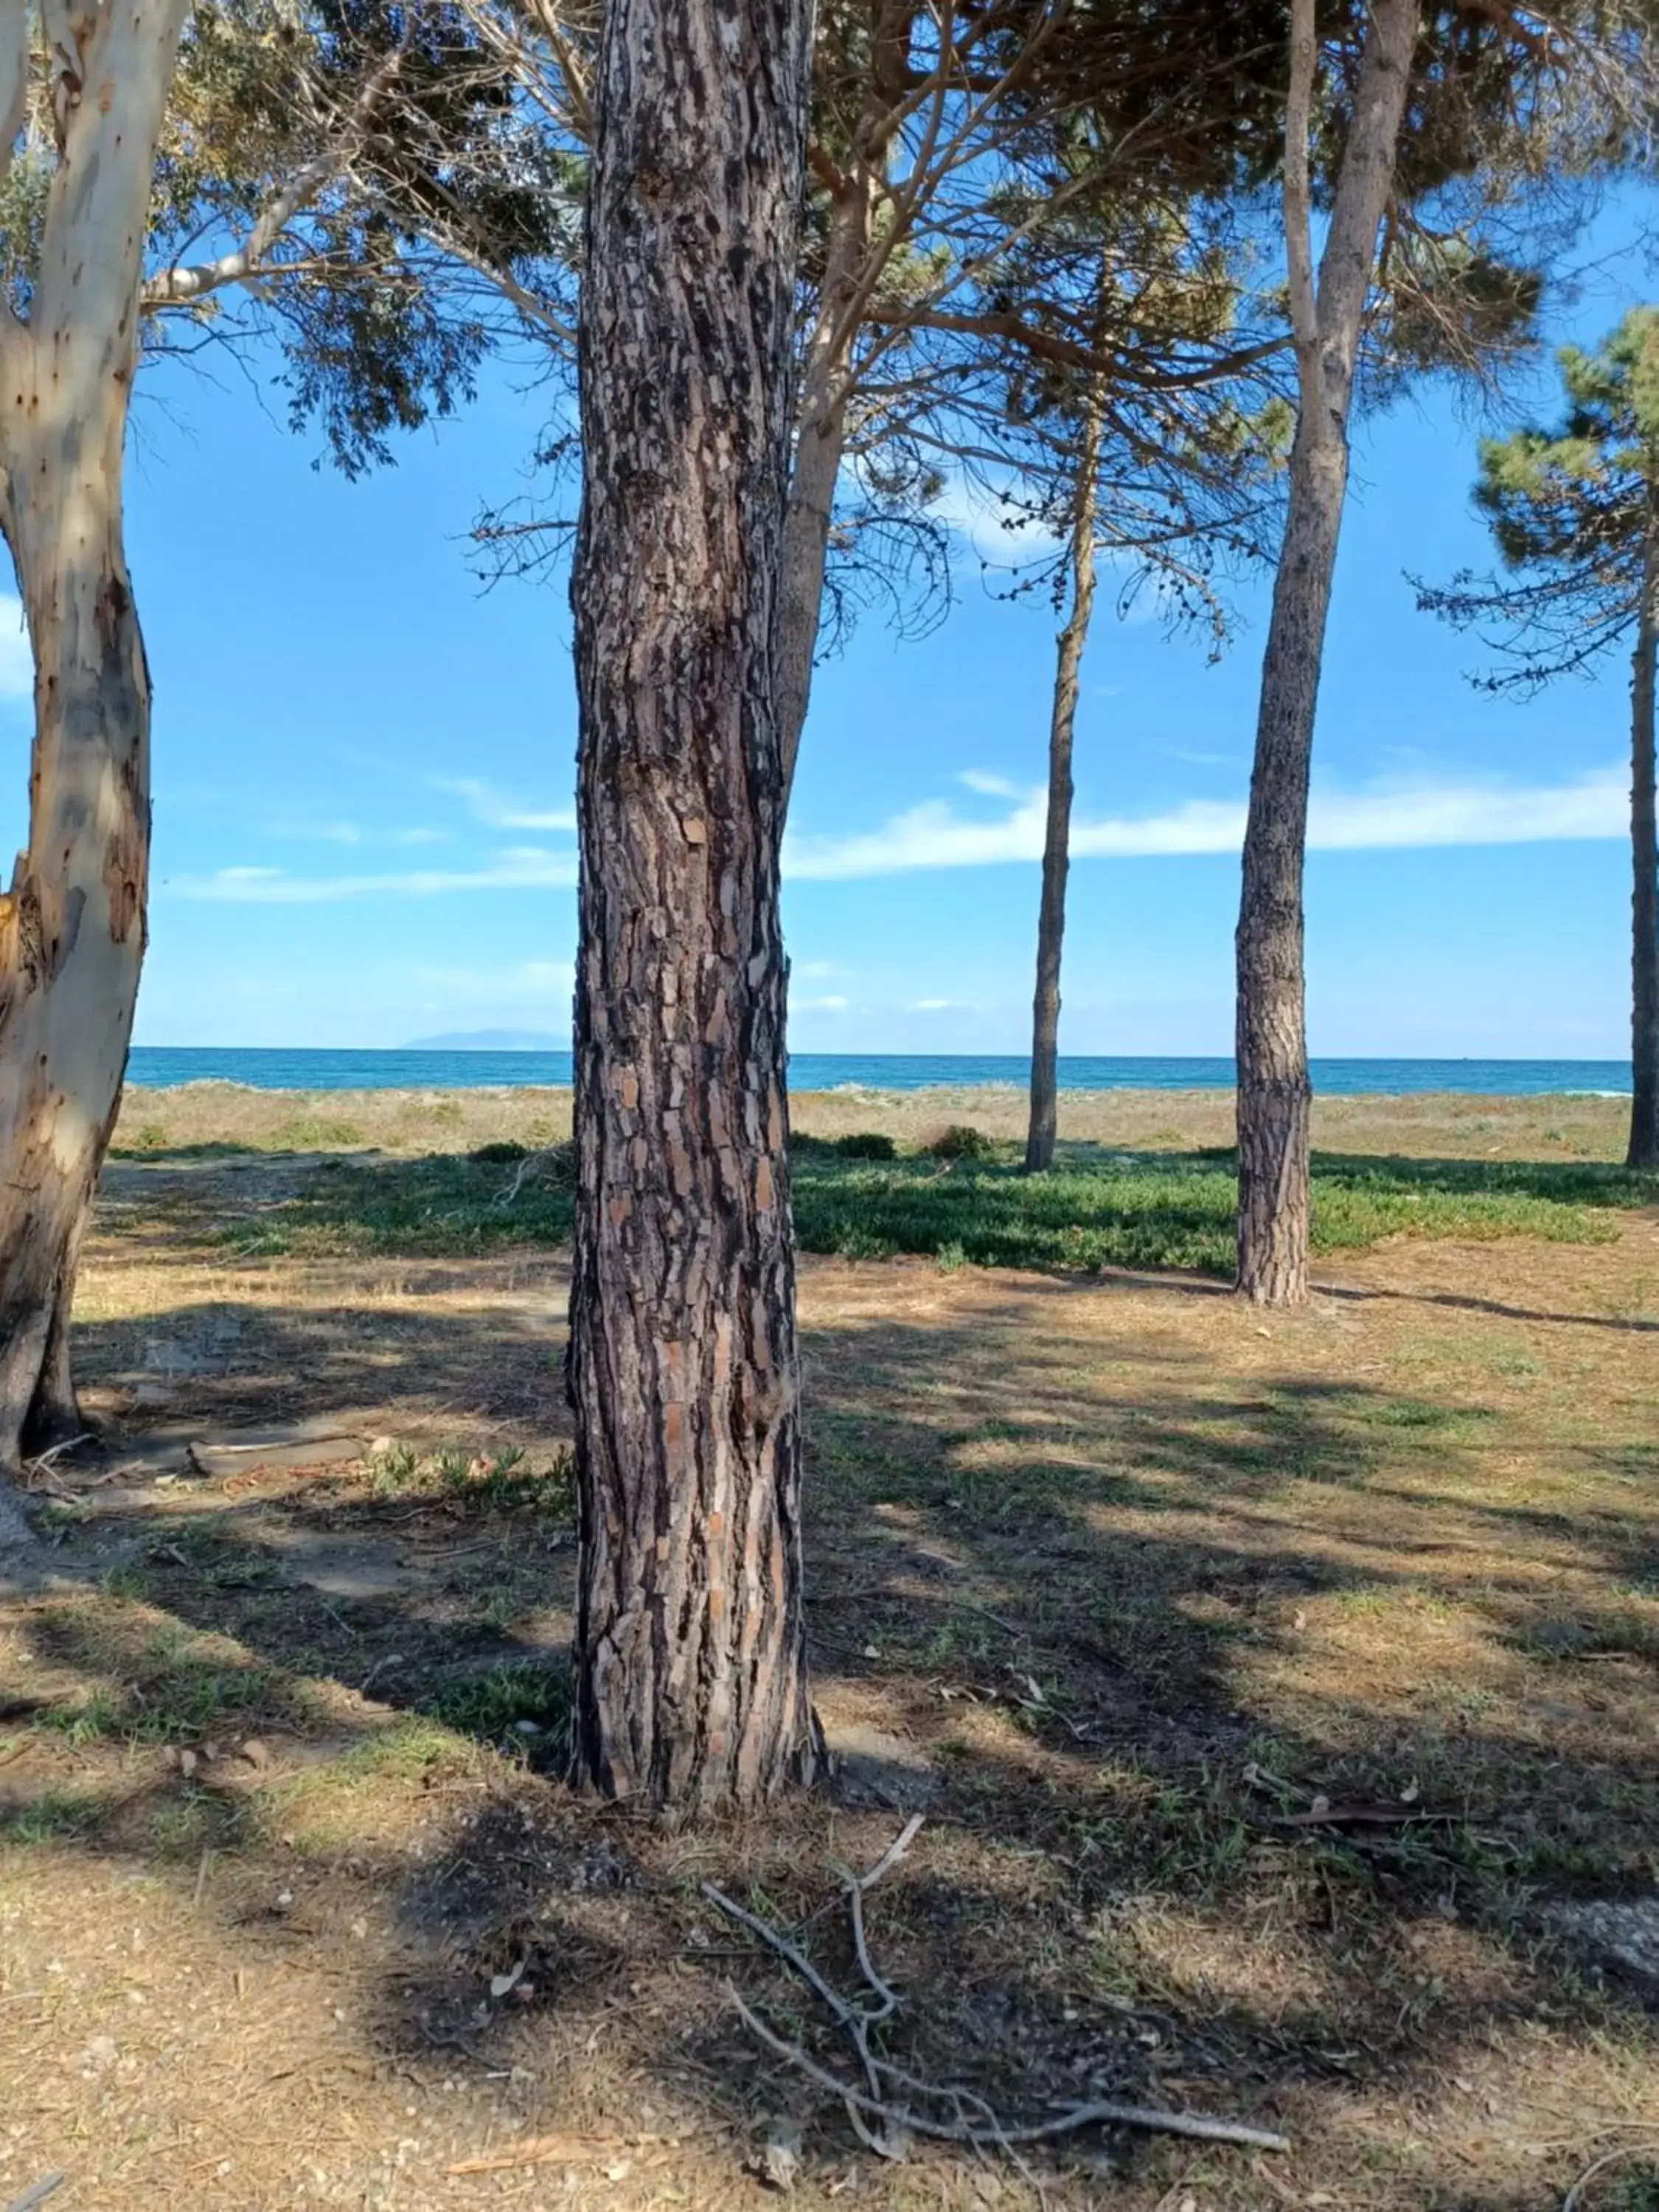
[490, 1040]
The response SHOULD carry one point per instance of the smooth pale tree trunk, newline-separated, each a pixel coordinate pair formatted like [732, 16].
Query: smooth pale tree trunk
[1643, 1152]
[691, 1691]
[72, 924]
[1273, 1091]
[1069, 649]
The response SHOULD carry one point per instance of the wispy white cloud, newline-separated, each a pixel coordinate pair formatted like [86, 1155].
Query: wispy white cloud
[16, 661]
[992, 530]
[939, 1006]
[338, 833]
[832, 1005]
[1397, 816]
[531, 982]
[487, 805]
[420, 836]
[993, 786]
[517, 868]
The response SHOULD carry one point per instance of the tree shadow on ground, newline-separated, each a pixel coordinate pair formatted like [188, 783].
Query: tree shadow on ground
[1114, 1624]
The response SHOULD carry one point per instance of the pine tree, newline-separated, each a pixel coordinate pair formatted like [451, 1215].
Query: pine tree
[1574, 512]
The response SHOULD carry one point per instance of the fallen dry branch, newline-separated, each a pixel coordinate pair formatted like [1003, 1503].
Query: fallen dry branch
[541, 2150]
[1575, 2197]
[38, 2194]
[1320, 1814]
[1097, 2113]
[899, 2121]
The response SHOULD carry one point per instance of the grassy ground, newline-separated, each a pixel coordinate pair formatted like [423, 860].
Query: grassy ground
[1112, 1580]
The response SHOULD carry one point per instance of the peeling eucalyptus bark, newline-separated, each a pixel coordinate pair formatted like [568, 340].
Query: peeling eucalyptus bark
[72, 924]
[1069, 649]
[1644, 1150]
[691, 1691]
[1274, 1093]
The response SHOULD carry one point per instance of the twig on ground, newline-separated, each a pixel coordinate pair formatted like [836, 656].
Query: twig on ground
[37, 2194]
[894, 1852]
[1575, 2197]
[1094, 2114]
[44, 1464]
[897, 2120]
[541, 2150]
[850, 2017]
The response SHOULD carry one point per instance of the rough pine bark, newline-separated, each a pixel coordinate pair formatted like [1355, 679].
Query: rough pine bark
[72, 924]
[1644, 1150]
[691, 1691]
[1069, 649]
[1274, 1092]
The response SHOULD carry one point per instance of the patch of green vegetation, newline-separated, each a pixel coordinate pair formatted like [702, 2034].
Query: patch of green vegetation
[491, 1705]
[498, 1482]
[125, 1579]
[864, 1144]
[961, 1141]
[171, 1687]
[412, 1208]
[1119, 1210]
[1152, 1211]
[182, 1828]
[314, 1133]
[48, 1817]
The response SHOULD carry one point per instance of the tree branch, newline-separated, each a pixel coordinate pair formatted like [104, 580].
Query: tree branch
[178, 286]
[1072, 353]
[1095, 2114]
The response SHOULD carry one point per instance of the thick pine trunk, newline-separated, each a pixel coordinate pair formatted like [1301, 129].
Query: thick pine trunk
[1274, 1092]
[691, 1691]
[1643, 1152]
[1069, 649]
[72, 924]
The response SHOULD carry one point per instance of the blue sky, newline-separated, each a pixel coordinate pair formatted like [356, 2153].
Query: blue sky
[364, 770]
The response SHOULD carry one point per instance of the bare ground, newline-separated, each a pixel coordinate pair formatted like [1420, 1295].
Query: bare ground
[1282, 1697]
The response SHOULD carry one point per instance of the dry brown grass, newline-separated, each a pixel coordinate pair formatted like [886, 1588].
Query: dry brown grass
[408, 1122]
[1109, 1576]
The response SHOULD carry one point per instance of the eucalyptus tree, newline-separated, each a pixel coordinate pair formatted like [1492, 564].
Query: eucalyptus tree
[1574, 511]
[154, 168]
[691, 1685]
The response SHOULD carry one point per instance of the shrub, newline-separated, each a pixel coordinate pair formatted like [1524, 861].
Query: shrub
[867, 1144]
[502, 1151]
[961, 1141]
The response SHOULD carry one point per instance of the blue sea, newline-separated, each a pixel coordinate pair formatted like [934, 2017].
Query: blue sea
[428, 1070]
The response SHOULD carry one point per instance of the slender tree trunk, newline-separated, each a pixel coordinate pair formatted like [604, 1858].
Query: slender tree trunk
[72, 924]
[691, 1691]
[1069, 648]
[826, 386]
[1271, 1042]
[820, 446]
[1644, 1150]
